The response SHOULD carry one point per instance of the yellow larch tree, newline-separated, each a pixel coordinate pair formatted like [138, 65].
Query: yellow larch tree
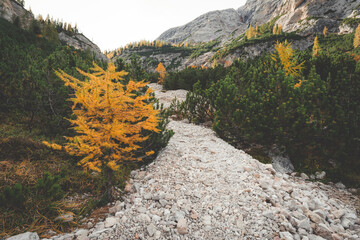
[162, 71]
[357, 37]
[316, 48]
[279, 29]
[325, 31]
[285, 54]
[250, 33]
[275, 30]
[110, 119]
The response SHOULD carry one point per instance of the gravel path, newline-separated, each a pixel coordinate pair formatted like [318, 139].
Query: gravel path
[200, 187]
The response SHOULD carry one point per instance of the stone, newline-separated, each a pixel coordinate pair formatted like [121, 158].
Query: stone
[182, 226]
[314, 204]
[315, 217]
[338, 213]
[269, 214]
[143, 218]
[110, 221]
[264, 184]
[25, 236]
[141, 209]
[128, 187]
[163, 202]
[339, 185]
[292, 205]
[281, 164]
[298, 215]
[335, 236]
[321, 213]
[207, 220]
[304, 224]
[151, 229]
[194, 215]
[66, 217]
[82, 232]
[320, 175]
[286, 236]
[82, 237]
[323, 231]
[304, 176]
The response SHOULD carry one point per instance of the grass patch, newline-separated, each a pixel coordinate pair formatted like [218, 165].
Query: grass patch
[38, 184]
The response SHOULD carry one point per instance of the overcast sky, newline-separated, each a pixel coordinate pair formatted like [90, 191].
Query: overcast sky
[114, 23]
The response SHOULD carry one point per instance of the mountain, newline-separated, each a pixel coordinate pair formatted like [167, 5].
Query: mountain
[304, 16]
[209, 26]
[220, 34]
[12, 11]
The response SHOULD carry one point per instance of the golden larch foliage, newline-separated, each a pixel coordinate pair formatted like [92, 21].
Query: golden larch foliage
[285, 53]
[162, 71]
[275, 30]
[250, 33]
[316, 48]
[357, 37]
[110, 118]
[325, 31]
[279, 30]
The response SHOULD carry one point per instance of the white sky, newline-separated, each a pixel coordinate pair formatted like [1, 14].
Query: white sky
[114, 23]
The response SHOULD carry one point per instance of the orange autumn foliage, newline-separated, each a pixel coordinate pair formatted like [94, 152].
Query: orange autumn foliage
[316, 47]
[110, 118]
[285, 54]
[162, 71]
[357, 37]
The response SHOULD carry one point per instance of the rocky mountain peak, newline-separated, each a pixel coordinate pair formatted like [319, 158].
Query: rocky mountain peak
[208, 26]
[304, 16]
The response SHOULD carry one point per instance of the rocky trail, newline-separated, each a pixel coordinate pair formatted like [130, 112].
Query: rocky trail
[200, 187]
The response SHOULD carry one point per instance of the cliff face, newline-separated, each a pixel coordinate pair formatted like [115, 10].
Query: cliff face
[10, 10]
[304, 16]
[79, 41]
[209, 26]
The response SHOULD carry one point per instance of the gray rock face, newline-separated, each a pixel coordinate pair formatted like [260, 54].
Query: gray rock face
[79, 41]
[10, 9]
[209, 26]
[305, 16]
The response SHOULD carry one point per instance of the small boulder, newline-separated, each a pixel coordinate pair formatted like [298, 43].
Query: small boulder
[182, 226]
[151, 229]
[110, 221]
[323, 231]
[25, 236]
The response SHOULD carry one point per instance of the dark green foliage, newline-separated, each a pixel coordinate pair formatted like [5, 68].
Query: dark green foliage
[27, 79]
[267, 36]
[204, 48]
[258, 103]
[13, 197]
[49, 187]
[188, 77]
[353, 22]
[34, 107]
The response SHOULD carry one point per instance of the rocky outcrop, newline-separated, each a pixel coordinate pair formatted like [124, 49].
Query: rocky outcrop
[212, 25]
[79, 41]
[10, 10]
[304, 16]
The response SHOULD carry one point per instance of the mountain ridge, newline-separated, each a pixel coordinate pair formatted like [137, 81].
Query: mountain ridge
[11, 10]
[254, 12]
